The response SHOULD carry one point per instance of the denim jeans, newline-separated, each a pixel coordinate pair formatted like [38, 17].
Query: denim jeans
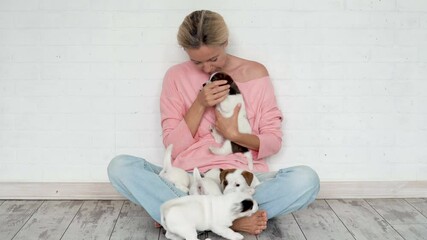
[280, 192]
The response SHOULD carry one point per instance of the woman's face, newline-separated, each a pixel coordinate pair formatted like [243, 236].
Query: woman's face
[208, 59]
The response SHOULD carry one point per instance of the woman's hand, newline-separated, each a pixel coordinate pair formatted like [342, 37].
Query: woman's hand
[213, 93]
[210, 95]
[228, 127]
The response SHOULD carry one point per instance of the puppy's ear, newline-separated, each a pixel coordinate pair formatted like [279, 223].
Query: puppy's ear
[222, 176]
[249, 177]
[247, 205]
[197, 177]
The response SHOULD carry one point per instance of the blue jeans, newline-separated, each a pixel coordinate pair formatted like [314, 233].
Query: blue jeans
[281, 192]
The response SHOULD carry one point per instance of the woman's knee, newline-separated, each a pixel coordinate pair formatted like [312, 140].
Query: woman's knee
[303, 176]
[118, 165]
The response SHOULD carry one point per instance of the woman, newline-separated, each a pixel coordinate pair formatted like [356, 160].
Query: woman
[188, 113]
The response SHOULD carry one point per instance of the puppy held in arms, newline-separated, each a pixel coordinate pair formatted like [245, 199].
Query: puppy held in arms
[179, 177]
[183, 217]
[226, 108]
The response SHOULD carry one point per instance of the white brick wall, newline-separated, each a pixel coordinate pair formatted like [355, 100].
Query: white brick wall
[80, 81]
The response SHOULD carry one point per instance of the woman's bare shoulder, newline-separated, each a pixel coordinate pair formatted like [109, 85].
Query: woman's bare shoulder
[255, 70]
[248, 70]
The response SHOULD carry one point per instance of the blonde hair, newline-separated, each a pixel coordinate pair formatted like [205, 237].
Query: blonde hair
[202, 27]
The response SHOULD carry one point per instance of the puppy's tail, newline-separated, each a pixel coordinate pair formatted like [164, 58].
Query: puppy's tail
[167, 160]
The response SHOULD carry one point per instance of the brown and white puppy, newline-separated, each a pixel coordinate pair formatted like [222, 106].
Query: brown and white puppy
[238, 180]
[226, 108]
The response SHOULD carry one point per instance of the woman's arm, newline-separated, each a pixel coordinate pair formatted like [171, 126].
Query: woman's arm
[210, 95]
[180, 124]
[270, 122]
[228, 127]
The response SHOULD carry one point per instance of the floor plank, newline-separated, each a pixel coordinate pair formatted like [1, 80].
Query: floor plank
[246, 236]
[362, 220]
[397, 211]
[50, 221]
[404, 218]
[201, 236]
[282, 227]
[412, 231]
[324, 219]
[420, 204]
[14, 214]
[94, 220]
[318, 221]
[134, 223]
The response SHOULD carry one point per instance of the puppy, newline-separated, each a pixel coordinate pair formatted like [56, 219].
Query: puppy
[237, 180]
[226, 108]
[177, 176]
[183, 217]
[203, 185]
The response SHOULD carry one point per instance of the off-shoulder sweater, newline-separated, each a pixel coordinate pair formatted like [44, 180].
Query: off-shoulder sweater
[181, 86]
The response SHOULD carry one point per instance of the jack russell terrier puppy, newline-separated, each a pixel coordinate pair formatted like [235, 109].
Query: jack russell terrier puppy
[238, 180]
[183, 217]
[179, 177]
[226, 108]
[203, 185]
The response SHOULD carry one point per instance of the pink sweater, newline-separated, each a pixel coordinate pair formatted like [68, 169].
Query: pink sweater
[181, 85]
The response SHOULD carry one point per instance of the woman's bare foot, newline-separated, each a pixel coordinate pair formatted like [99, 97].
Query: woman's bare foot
[254, 224]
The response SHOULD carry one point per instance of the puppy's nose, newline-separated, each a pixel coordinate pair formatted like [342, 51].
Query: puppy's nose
[247, 204]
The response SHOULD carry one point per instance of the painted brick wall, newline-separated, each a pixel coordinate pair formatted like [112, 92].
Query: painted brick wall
[80, 82]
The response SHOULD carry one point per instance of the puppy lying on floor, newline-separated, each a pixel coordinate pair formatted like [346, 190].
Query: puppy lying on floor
[183, 217]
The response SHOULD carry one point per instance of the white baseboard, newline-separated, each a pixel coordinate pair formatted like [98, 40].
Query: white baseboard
[41, 190]
[377, 189]
[102, 191]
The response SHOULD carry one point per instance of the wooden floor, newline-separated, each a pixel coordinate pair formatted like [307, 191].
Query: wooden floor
[119, 220]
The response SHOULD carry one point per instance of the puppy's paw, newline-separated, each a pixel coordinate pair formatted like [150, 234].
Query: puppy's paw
[215, 134]
[236, 236]
[172, 236]
[182, 188]
[224, 150]
[213, 149]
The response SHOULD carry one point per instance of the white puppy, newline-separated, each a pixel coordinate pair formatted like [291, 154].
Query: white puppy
[203, 186]
[226, 108]
[183, 217]
[177, 176]
[238, 180]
